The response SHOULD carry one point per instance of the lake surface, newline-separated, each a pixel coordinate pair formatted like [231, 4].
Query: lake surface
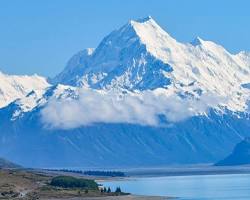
[198, 187]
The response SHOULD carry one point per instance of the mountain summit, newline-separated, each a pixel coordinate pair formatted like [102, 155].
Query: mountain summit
[142, 56]
[122, 59]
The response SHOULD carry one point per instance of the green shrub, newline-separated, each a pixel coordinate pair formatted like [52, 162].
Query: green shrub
[72, 182]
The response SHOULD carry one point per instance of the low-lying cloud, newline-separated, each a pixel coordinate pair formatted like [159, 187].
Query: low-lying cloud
[109, 107]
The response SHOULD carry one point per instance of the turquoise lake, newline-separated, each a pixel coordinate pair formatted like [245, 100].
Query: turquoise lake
[198, 187]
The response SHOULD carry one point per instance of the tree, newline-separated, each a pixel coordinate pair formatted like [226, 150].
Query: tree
[118, 190]
[72, 182]
[109, 190]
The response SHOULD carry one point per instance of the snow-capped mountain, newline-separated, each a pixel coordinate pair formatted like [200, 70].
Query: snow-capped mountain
[142, 56]
[16, 87]
[139, 98]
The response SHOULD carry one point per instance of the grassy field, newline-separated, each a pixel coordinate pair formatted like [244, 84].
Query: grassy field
[29, 185]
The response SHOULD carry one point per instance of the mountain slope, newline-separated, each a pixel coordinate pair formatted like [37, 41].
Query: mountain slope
[7, 164]
[196, 140]
[239, 156]
[74, 68]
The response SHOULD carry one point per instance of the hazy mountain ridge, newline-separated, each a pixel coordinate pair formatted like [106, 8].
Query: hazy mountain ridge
[239, 156]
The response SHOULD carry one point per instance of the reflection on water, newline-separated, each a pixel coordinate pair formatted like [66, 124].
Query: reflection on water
[202, 187]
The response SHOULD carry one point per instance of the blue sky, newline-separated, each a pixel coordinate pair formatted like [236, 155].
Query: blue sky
[40, 36]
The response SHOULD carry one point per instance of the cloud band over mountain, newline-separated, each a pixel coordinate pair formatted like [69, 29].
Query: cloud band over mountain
[108, 107]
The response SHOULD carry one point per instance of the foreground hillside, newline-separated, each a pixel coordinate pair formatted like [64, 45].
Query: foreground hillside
[7, 164]
[27, 185]
[30, 185]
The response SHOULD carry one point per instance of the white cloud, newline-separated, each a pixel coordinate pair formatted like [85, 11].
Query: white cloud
[108, 107]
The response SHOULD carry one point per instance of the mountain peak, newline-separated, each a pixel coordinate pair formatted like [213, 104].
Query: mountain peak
[244, 54]
[147, 22]
[145, 19]
[13, 87]
[141, 55]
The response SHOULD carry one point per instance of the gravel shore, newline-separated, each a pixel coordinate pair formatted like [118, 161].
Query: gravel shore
[127, 197]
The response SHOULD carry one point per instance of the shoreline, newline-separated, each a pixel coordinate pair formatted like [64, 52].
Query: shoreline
[135, 173]
[125, 197]
[38, 177]
[188, 171]
[178, 171]
[156, 172]
[24, 184]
